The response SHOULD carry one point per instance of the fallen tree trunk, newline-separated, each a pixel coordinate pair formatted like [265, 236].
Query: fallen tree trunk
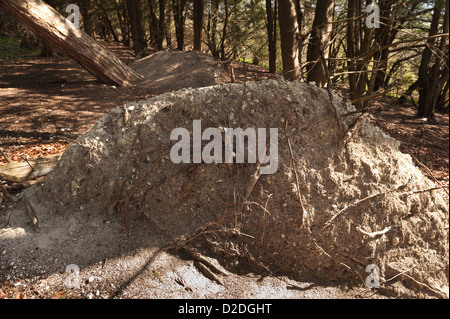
[51, 25]
[22, 172]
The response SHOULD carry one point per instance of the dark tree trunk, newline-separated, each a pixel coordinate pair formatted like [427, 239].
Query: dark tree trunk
[199, 7]
[289, 39]
[355, 47]
[318, 42]
[213, 18]
[137, 26]
[179, 16]
[271, 25]
[433, 72]
[224, 31]
[47, 49]
[298, 9]
[123, 22]
[86, 16]
[108, 22]
[162, 24]
[169, 25]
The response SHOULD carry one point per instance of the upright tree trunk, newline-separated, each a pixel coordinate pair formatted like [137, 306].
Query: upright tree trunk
[433, 71]
[382, 37]
[298, 9]
[271, 11]
[318, 42]
[106, 18]
[199, 7]
[162, 24]
[224, 30]
[390, 24]
[47, 49]
[289, 39]
[213, 18]
[123, 22]
[169, 25]
[87, 19]
[137, 27]
[179, 16]
[51, 25]
[153, 23]
[356, 77]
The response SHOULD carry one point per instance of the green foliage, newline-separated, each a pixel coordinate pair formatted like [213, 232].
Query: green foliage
[10, 49]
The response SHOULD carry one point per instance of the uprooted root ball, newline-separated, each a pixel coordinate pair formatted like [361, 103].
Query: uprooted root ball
[329, 211]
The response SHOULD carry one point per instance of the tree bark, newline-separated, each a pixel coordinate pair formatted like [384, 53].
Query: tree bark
[179, 16]
[224, 30]
[123, 22]
[289, 39]
[199, 7]
[318, 42]
[213, 19]
[162, 24]
[87, 20]
[355, 46]
[433, 72]
[271, 25]
[136, 25]
[50, 25]
[301, 37]
[168, 26]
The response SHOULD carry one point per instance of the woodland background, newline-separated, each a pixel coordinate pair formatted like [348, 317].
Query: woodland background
[405, 57]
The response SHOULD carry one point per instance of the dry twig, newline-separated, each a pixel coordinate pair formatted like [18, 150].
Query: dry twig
[294, 168]
[433, 290]
[429, 172]
[5, 155]
[373, 234]
[354, 126]
[31, 212]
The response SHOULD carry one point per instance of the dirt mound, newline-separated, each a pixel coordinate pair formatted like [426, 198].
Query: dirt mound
[168, 70]
[329, 211]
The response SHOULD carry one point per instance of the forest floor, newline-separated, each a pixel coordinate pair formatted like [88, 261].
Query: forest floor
[46, 103]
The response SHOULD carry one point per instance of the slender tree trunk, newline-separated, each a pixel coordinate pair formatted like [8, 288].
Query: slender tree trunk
[301, 38]
[153, 23]
[108, 22]
[179, 16]
[169, 25]
[123, 22]
[162, 24]
[47, 49]
[382, 37]
[443, 99]
[355, 43]
[213, 17]
[51, 25]
[136, 23]
[433, 72]
[318, 42]
[199, 7]
[271, 11]
[289, 39]
[224, 30]
[87, 20]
